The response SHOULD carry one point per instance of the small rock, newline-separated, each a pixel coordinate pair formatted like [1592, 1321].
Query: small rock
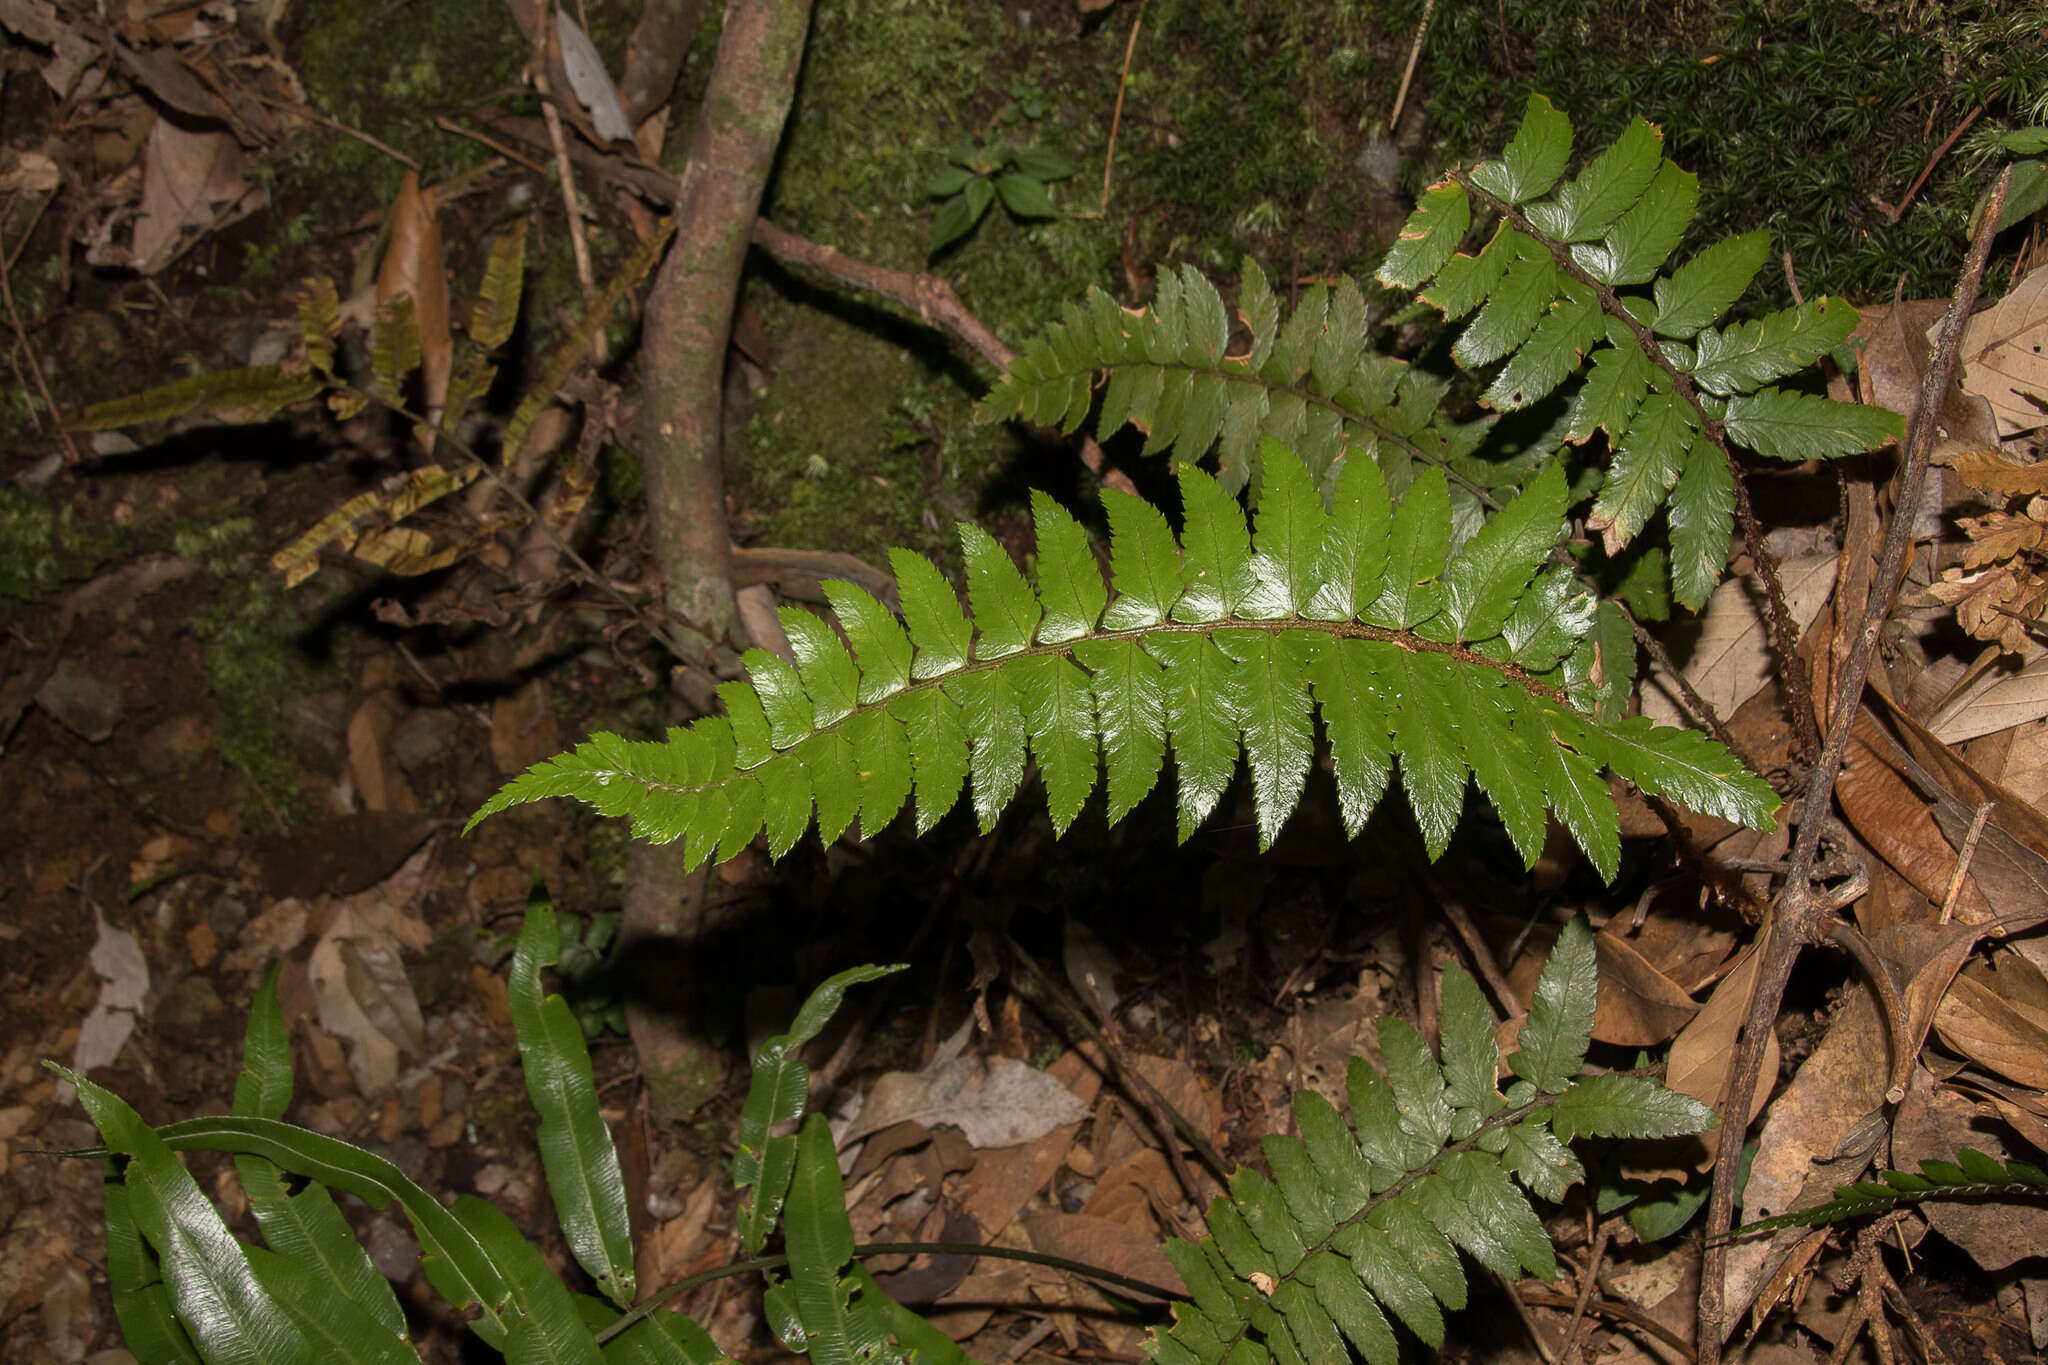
[85, 704]
[186, 1006]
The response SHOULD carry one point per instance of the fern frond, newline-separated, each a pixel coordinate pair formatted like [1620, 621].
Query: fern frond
[1972, 1175]
[1310, 383]
[1478, 664]
[1562, 283]
[1365, 1219]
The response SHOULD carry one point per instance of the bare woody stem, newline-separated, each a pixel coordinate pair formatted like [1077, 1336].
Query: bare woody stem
[1799, 916]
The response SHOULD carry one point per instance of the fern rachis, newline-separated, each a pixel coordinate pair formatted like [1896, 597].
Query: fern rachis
[1480, 664]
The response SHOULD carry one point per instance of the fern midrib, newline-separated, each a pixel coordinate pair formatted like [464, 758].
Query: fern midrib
[1238, 370]
[1610, 303]
[1406, 640]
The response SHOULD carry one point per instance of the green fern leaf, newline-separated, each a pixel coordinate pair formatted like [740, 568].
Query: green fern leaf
[938, 628]
[1203, 703]
[1552, 1046]
[1617, 1106]
[1353, 558]
[1733, 360]
[879, 642]
[1533, 159]
[1364, 1220]
[1643, 238]
[1703, 288]
[1005, 611]
[1588, 204]
[1806, 426]
[1069, 582]
[1489, 574]
[1648, 458]
[1701, 511]
[1430, 236]
[1972, 1175]
[1417, 547]
[1474, 665]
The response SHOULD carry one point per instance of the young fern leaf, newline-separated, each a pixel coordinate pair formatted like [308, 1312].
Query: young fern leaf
[1444, 666]
[1364, 1219]
[1561, 283]
[1310, 383]
[1972, 1175]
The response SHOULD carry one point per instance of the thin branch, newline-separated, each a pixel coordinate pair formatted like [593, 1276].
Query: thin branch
[1799, 910]
[933, 299]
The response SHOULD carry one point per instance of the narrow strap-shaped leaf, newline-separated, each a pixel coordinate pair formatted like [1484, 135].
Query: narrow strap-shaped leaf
[306, 1227]
[334, 1325]
[232, 1317]
[764, 1160]
[142, 1301]
[544, 1327]
[454, 1261]
[576, 1151]
[664, 1338]
[837, 1329]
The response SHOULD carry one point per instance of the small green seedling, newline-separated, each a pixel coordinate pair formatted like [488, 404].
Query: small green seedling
[976, 176]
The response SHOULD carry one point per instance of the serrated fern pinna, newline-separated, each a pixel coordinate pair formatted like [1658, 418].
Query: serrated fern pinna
[1368, 1217]
[1482, 663]
[1570, 280]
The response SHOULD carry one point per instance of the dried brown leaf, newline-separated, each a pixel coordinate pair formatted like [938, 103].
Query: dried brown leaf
[413, 266]
[2005, 356]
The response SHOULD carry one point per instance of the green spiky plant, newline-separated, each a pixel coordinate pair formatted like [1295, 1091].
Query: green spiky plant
[1392, 578]
[1360, 1219]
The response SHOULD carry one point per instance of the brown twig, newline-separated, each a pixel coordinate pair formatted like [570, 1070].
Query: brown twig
[1051, 994]
[1475, 943]
[1799, 913]
[572, 206]
[1116, 116]
[1963, 857]
[1537, 1297]
[28, 354]
[932, 298]
[1939, 152]
[934, 301]
[449, 125]
[1408, 72]
[1589, 1280]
